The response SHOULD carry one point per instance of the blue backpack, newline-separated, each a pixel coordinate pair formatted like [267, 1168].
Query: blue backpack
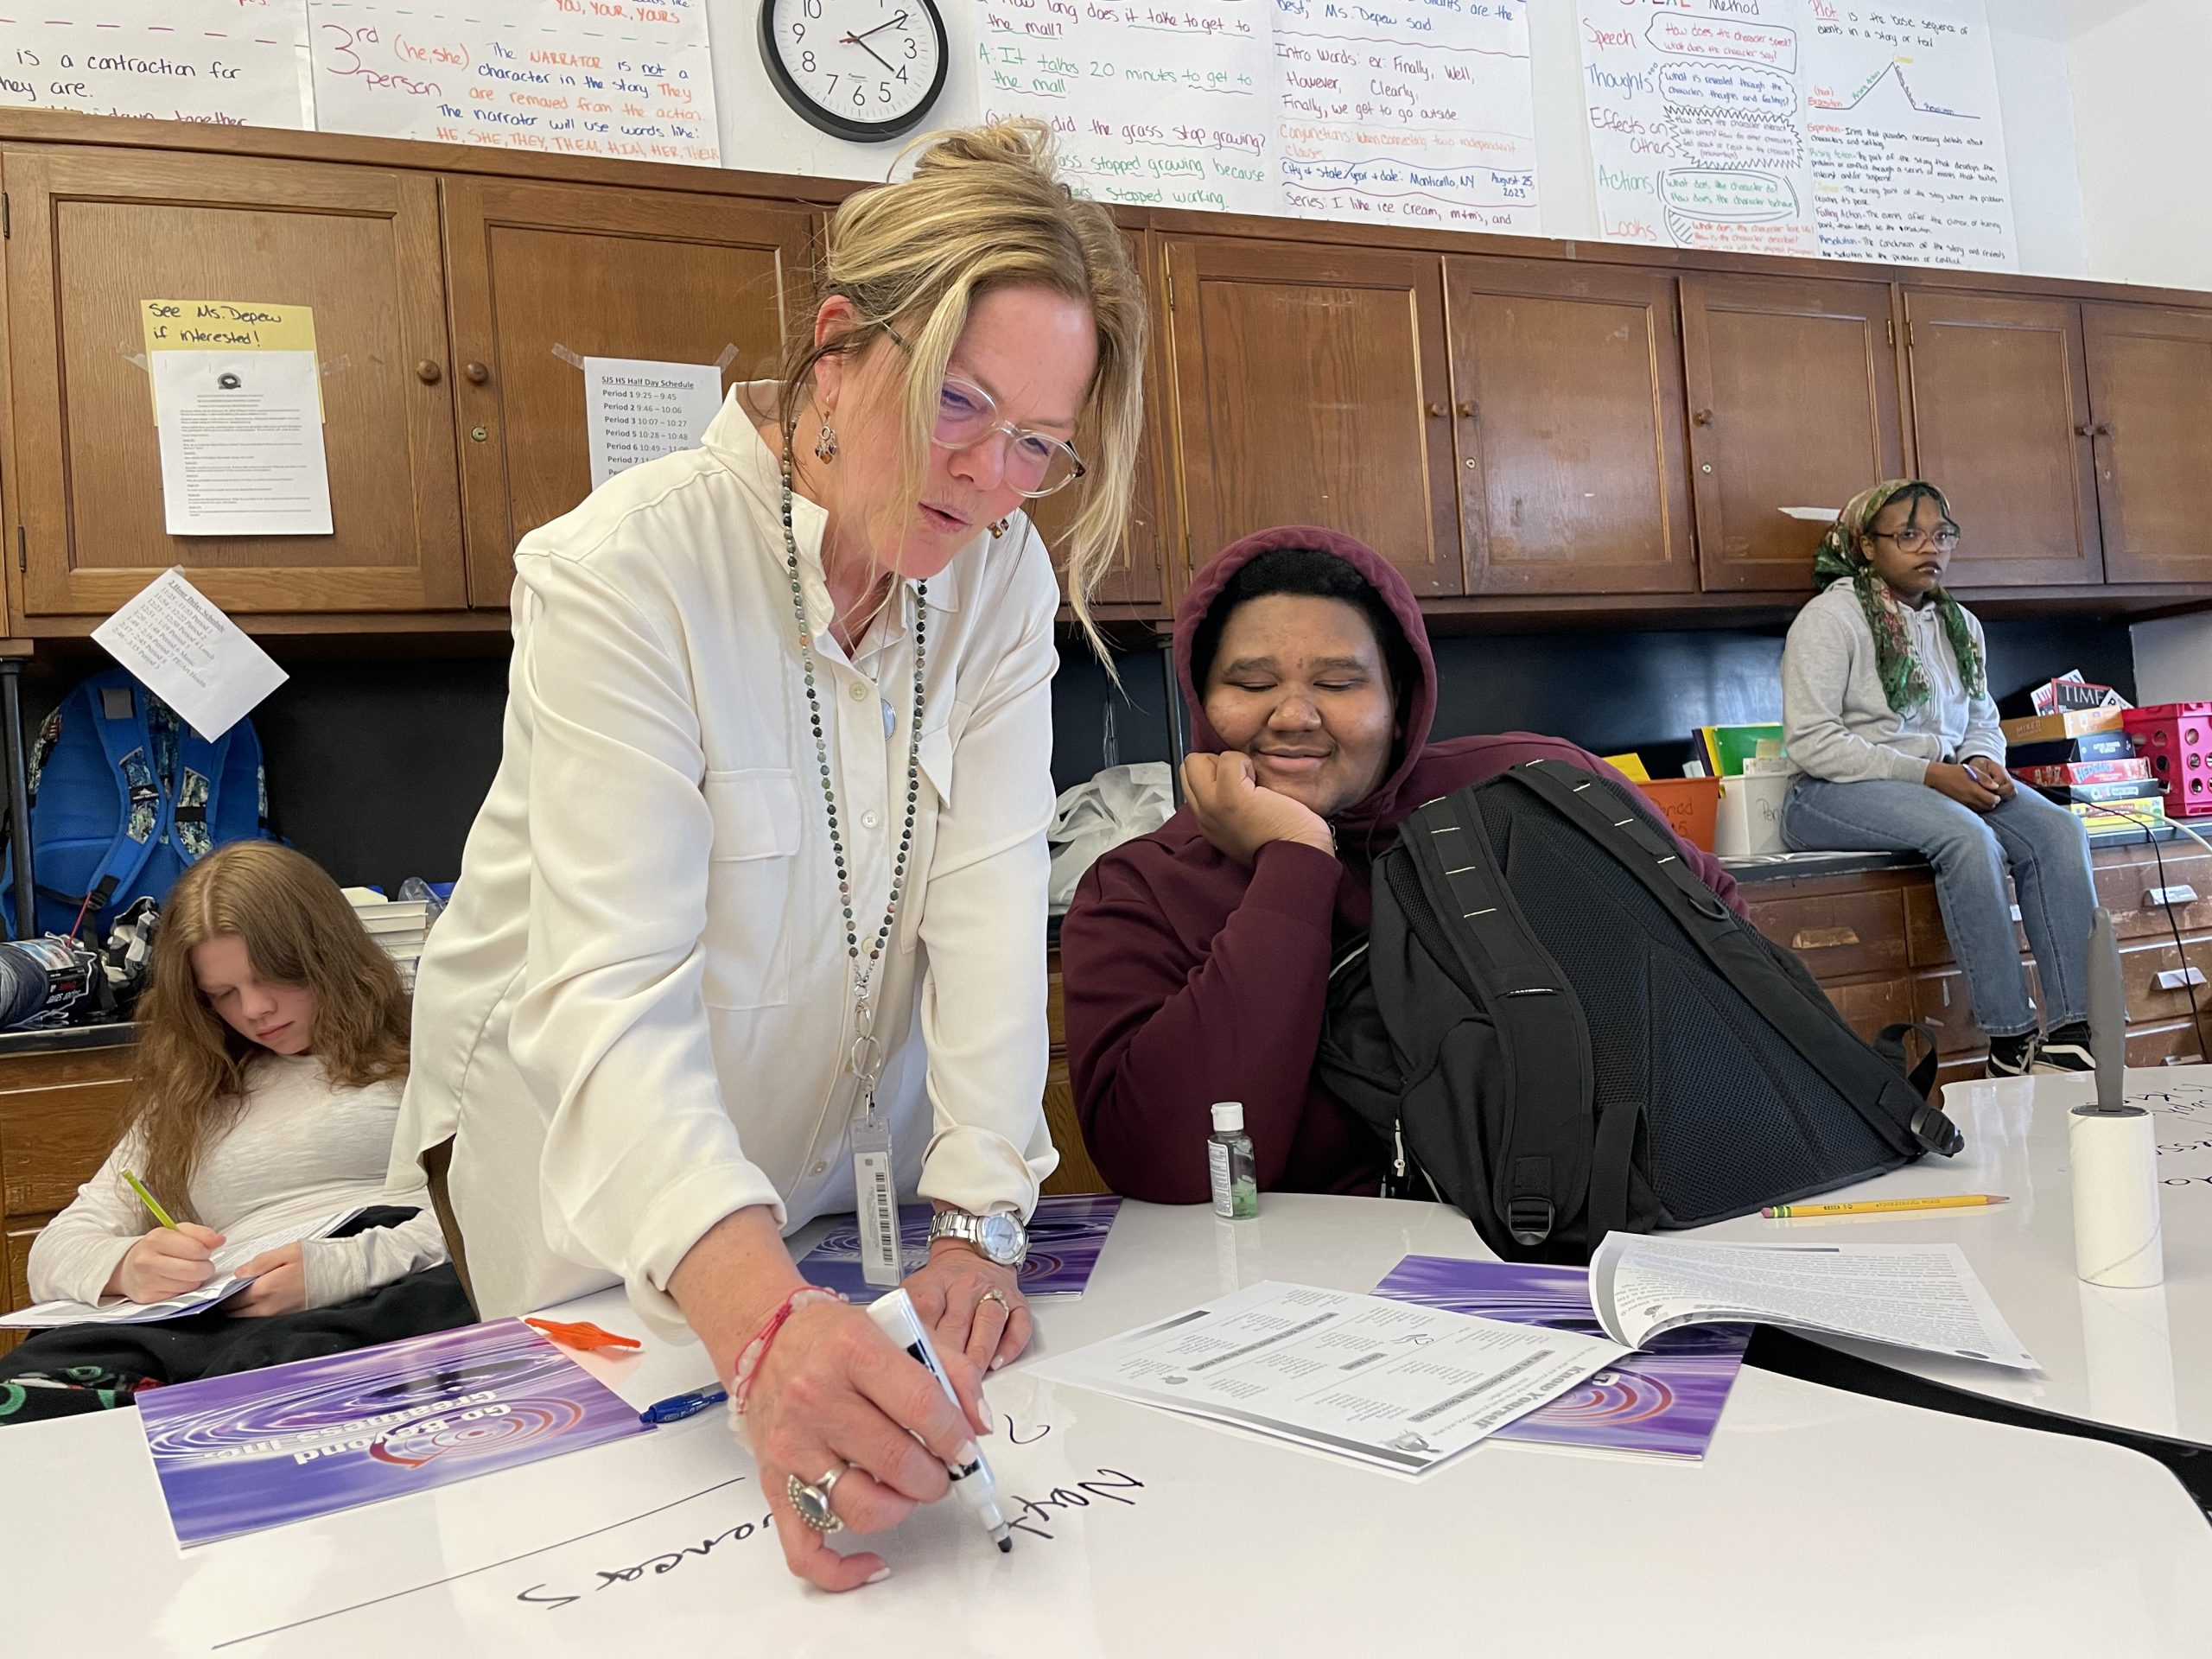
[124, 799]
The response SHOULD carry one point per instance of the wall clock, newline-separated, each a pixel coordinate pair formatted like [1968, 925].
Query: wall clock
[862, 69]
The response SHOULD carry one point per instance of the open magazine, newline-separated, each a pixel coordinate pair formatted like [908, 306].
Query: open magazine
[1923, 1296]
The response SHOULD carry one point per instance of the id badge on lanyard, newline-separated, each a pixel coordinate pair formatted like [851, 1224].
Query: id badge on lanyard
[875, 1195]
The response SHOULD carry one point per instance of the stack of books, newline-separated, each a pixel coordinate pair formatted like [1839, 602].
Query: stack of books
[401, 927]
[2082, 759]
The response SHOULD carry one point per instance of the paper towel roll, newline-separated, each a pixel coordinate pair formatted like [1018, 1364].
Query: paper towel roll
[2131, 1358]
[2115, 1154]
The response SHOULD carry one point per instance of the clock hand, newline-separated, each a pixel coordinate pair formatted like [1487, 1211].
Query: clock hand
[897, 20]
[855, 39]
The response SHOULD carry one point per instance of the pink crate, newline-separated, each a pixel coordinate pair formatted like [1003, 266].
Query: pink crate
[2176, 737]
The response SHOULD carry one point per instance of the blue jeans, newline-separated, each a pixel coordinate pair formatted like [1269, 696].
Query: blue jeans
[2043, 843]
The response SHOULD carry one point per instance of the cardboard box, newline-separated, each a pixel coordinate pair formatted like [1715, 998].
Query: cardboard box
[2056, 728]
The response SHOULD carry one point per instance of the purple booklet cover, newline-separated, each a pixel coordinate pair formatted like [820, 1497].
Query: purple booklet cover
[1665, 1399]
[239, 1453]
[1065, 1235]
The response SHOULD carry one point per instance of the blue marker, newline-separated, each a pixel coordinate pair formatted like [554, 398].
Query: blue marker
[677, 1406]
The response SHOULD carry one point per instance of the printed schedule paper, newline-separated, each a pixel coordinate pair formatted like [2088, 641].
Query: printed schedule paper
[226, 1281]
[1384, 1383]
[193, 657]
[638, 410]
[1923, 1296]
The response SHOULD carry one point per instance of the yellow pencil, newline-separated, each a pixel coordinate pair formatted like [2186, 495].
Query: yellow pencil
[1877, 1206]
[147, 1198]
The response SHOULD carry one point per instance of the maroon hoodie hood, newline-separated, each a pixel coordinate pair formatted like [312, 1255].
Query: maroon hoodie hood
[1417, 709]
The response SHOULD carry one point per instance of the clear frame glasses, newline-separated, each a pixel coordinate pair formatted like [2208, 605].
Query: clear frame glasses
[1943, 540]
[1036, 463]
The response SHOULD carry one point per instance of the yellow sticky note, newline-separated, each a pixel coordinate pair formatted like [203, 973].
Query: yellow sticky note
[1629, 767]
[227, 326]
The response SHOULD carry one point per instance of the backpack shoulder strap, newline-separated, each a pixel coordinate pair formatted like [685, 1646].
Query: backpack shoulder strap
[1598, 807]
[1543, 1171]
[128, 746]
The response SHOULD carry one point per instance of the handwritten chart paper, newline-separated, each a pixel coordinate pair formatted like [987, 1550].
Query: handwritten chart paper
[636, 410]
[1906, 135]
[195, 659]
[1406, 110]
[1799, 127]
[620, 78]
[225, 62]
[1697, 130]
[1169, 102]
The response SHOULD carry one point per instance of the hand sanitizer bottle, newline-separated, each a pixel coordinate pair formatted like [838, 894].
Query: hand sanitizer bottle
[1229, 1155]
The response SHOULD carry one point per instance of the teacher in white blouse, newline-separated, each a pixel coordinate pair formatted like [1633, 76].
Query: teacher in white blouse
[767, 839]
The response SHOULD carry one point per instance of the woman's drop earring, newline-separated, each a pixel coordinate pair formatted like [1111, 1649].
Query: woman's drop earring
[825, 445]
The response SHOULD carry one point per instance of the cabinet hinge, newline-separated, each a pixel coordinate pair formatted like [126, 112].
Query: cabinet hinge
[1677, 315]
[1170, 290]
[7, 224]
[22, 562]
[1890, 328]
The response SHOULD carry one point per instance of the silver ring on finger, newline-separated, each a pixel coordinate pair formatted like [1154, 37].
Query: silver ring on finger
[810, 1503]
[998, 1296]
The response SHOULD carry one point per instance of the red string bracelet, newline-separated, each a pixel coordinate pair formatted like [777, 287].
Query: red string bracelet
[749, 1360]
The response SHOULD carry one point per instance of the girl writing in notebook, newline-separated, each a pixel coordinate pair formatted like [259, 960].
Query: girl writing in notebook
[272, 1049]
[1895, 745]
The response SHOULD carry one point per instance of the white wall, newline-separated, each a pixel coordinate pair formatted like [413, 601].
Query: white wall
[2143, 129]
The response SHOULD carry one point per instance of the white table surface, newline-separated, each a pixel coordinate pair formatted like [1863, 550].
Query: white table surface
[1820, 1523]
[2132, 1359]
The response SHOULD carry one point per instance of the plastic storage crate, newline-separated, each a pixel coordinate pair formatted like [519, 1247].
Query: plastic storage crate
[2176, 737]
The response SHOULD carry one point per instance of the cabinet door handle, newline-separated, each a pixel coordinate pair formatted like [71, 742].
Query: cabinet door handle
[1822, 938]
[1703, 418]
[1467, 410]
[477, 373]
[2104, 429]
[1436, 411]
[2087, 430]
[427, 372]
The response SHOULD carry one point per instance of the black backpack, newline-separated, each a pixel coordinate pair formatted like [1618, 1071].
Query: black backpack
[1557, 1028]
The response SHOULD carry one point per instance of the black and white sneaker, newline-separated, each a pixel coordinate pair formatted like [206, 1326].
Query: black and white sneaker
[2067, 1049]
[2012, 1057]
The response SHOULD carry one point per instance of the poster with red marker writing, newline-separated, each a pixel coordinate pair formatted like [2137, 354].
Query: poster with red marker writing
[235, 1454]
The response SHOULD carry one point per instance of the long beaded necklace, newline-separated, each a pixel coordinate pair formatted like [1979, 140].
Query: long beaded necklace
[864, 973]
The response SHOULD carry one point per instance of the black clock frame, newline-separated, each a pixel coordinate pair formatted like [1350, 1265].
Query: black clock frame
[809, 110]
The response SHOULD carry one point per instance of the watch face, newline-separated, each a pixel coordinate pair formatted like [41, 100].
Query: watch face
[1001, 1238]
[862, 69]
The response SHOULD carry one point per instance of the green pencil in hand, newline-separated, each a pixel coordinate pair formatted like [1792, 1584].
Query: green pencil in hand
[147, 1198]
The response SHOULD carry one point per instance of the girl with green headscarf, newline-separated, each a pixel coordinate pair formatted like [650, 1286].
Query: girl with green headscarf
[1896, 748]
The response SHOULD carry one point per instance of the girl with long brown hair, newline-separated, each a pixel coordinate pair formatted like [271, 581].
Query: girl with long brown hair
[272, 1050]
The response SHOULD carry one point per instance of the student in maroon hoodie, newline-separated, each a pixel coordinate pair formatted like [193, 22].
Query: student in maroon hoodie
[1195, 960]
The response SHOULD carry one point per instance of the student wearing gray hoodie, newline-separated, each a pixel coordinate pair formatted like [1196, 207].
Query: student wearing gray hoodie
[1895, 746]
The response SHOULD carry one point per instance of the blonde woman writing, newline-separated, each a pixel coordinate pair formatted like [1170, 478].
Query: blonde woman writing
[763, 872]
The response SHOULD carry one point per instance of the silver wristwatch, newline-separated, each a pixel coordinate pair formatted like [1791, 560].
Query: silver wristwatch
[1000, 1238]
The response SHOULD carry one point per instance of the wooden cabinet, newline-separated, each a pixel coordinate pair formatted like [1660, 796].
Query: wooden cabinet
[1137, 579]
[544, 274]
[2151, 396]
[1076, 1173]
[94, 233]
[1876, 943]
[1567, 388]
[2001, 411]
[1309, 387]
[59, 1114]
[1793, 395]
